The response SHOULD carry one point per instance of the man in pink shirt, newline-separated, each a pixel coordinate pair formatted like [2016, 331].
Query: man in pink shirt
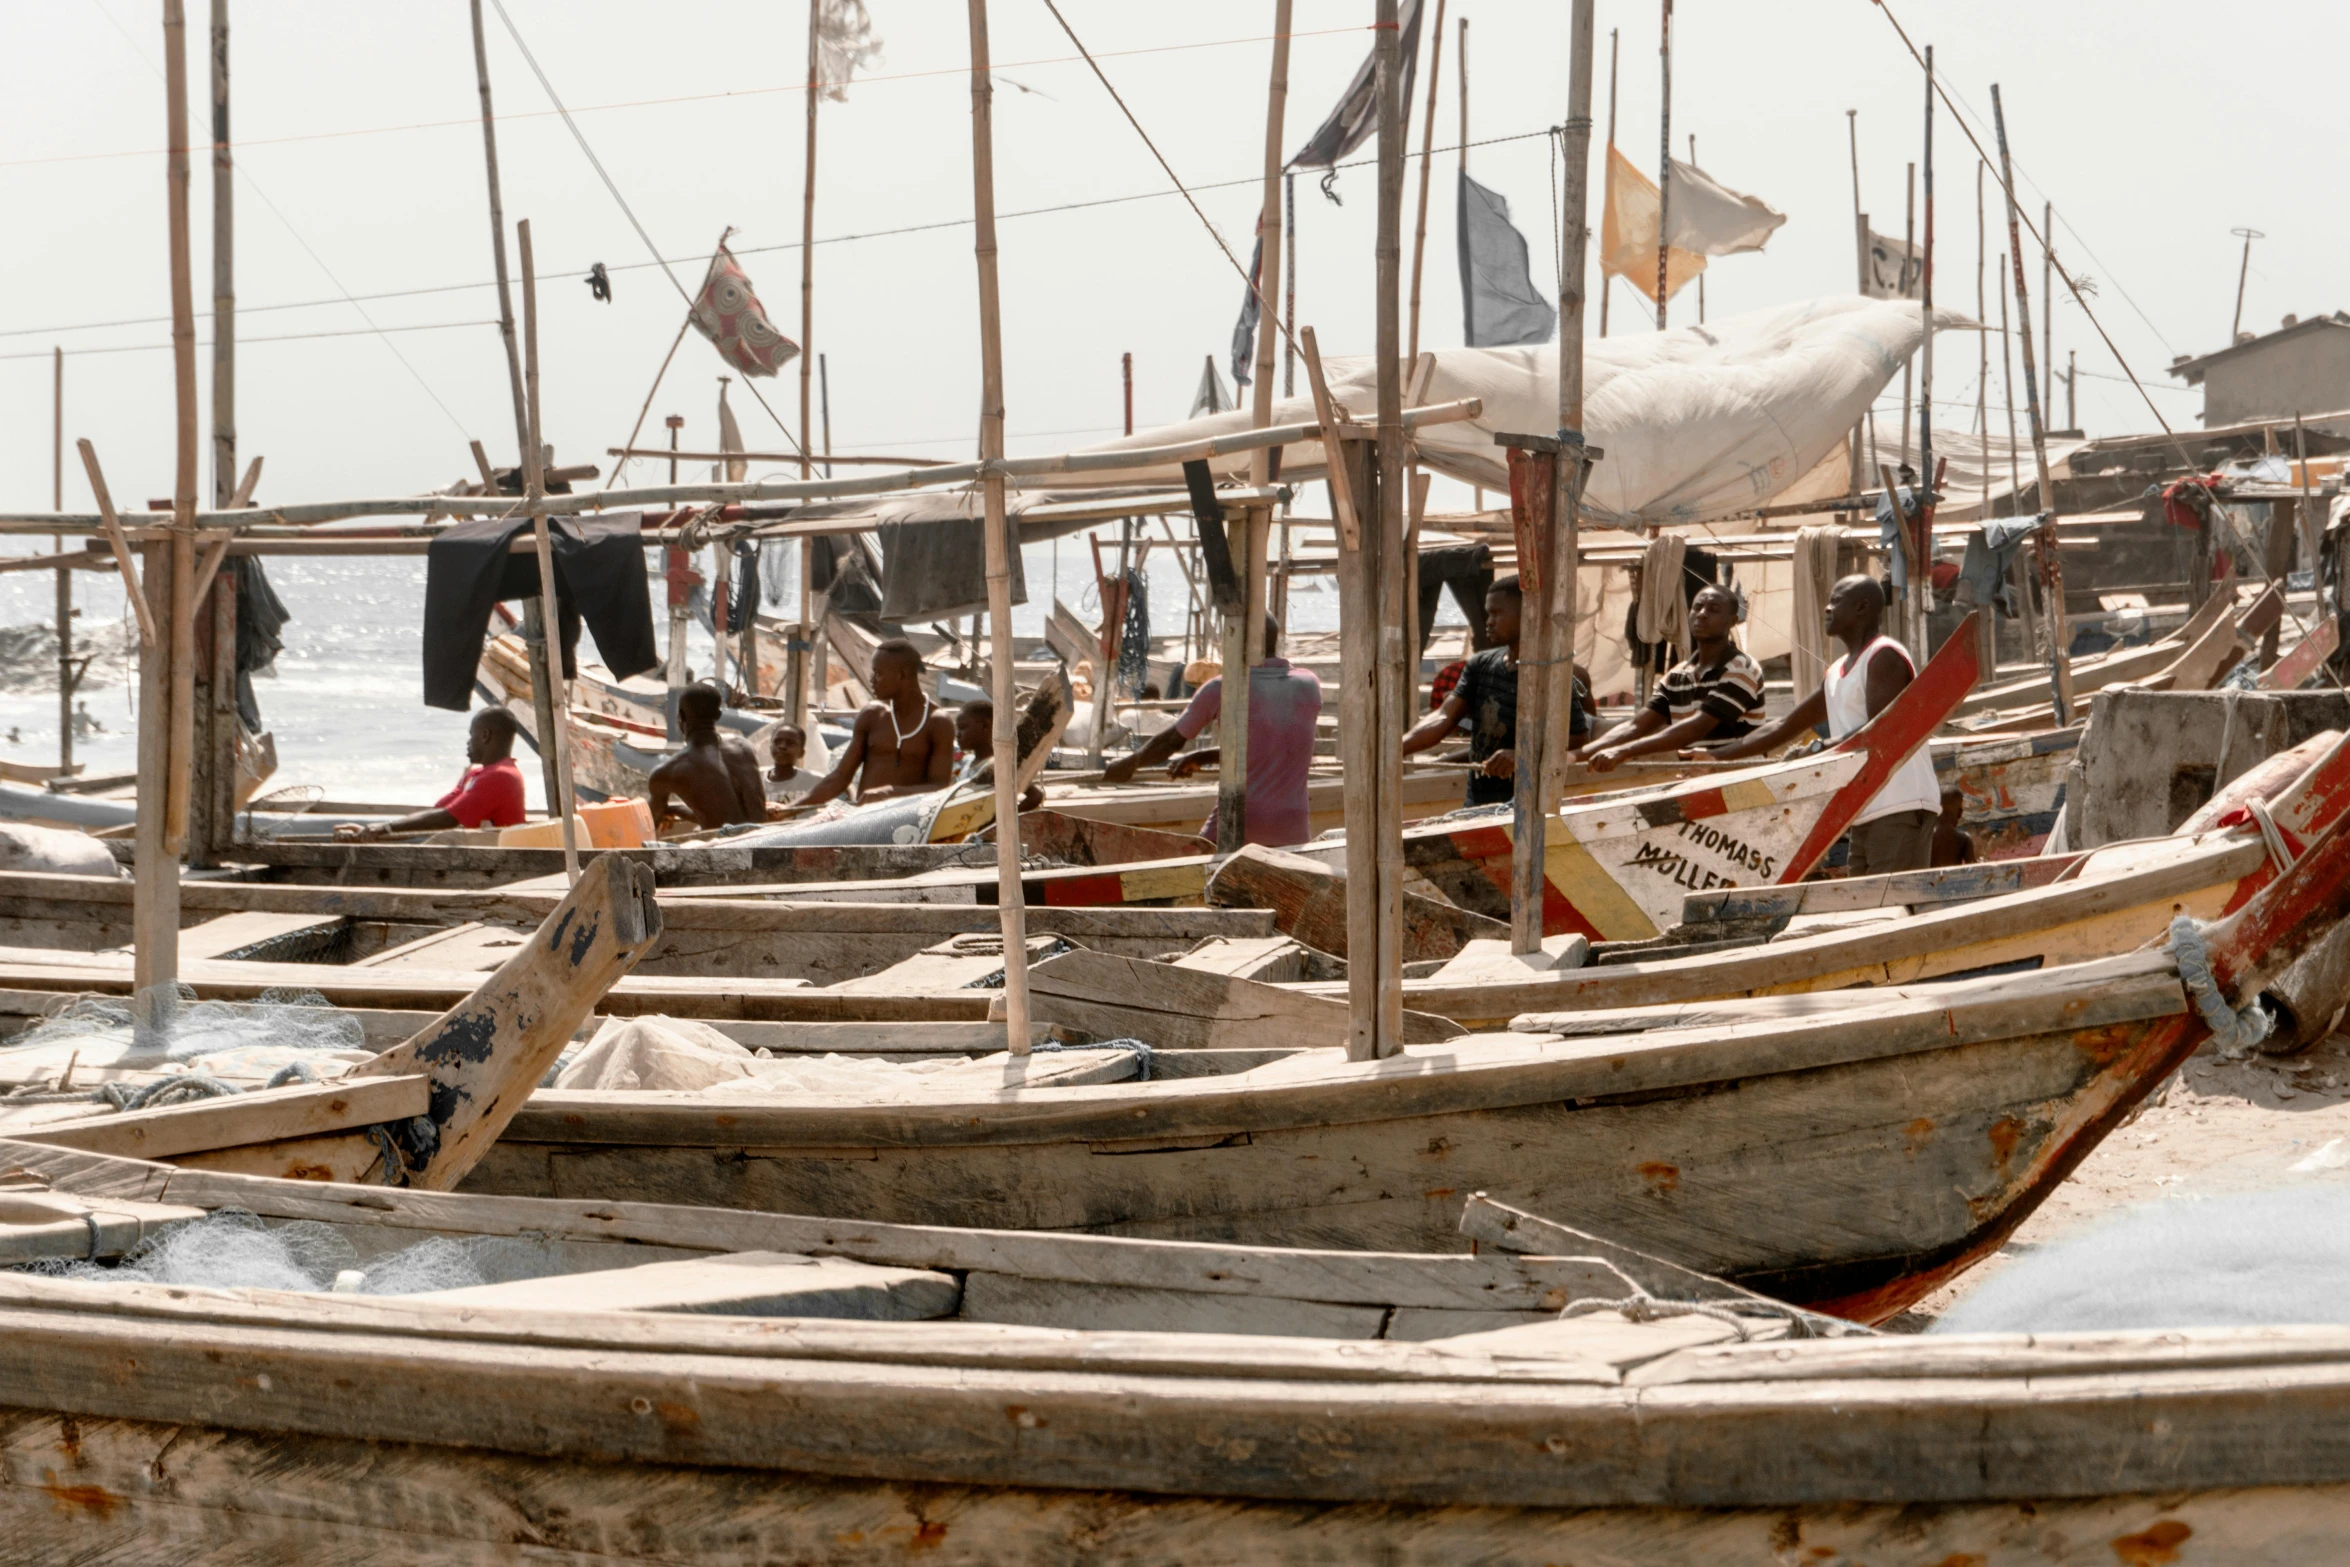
[1283, 704]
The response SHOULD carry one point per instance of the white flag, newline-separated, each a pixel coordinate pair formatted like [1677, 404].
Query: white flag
[1714, 220]
[1895, 269]
[845, 45]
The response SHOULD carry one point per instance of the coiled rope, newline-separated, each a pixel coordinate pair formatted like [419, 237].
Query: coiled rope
[2237, 1032]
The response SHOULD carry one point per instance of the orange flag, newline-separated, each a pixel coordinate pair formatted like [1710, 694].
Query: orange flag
[1628, 230]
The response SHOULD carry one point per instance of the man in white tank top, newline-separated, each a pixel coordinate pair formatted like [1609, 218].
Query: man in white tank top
[1895, 830]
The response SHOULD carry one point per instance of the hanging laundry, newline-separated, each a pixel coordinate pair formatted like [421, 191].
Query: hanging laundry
[938, 570]
[599, 575]
[1663, 607]
[1466, 570]
[1985, 573]
[1500, 306]
[1815, 577]
[1889, 537]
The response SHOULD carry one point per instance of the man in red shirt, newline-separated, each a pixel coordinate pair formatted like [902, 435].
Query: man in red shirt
[489, 795]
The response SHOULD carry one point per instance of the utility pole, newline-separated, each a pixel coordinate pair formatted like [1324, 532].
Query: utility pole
[2243, 270]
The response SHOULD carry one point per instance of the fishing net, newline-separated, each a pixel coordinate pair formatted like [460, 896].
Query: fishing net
[243, 1044]
[237, 1250]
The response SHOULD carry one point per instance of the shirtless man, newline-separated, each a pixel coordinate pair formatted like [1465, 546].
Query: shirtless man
[902, 743]
[715, 779]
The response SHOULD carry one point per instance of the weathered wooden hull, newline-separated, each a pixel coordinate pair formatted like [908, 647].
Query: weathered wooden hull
[2014, 790]
[171, 1493]
[1896, 1140]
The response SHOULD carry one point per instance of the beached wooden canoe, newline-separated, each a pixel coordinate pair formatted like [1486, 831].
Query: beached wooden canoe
[1898, 1135]
[1617, 868]
[969, 1398]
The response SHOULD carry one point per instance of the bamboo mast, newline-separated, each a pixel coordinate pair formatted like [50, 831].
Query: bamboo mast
[1612, 42]
[2060, 674]
[1009, 897]
[1860, 252]
[1289, 291]
[534, 488]
[1427, 151]
[542, 706]
[1664, 157]
[1244, 632]
[1921, 590]
[1909, 256]
[1573, 462]
[213, 756]
[1382, 554]
[166, 665]
[1700, 276]
[796, 669]
[1988, 658]
[2048, 306]
[65, 680]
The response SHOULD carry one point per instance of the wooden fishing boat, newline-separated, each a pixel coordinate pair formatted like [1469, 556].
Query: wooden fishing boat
[653, 1384]
[1900, 1133]
[1617, 868]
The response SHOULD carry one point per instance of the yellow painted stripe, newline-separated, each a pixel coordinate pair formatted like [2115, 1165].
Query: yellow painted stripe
[1747, 794]
[1585, 883]
[1169, 881]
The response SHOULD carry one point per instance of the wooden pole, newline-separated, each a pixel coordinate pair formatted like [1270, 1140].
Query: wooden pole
[1987, 659]
[1573, 464]
[1909, 250]
[65, 679]
[678, 562]
[1664, 157]
[166, 659]
[534, 486]
[1612, 41]
[2060, 675]
[2048, 305]
[1860, 251]
[1427, 151]
[1384, 547]
[1000, 544]
[213, 754]
[1921, 586]
[1700, 276]
[1289, 285]
[796, 672]
[541, 699]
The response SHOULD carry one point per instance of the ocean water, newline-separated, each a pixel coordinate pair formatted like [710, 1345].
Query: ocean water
[346, 703]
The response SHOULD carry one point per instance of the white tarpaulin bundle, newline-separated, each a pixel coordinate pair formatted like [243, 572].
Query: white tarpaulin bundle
[1696, 423]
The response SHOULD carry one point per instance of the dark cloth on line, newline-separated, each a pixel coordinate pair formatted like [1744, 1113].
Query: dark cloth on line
[742, 600]
[261, 615]
[1731, 691]
[1898, 841]
[599, 575]
[1488, 689]
[937, 570]
[1466, 569]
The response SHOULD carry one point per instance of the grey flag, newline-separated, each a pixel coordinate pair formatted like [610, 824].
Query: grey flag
[1357, 115]
[1500, 306]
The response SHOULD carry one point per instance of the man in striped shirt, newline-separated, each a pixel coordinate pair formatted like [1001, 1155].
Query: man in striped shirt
[1716, 693]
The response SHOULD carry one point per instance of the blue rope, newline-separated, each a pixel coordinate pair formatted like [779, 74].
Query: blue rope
[2237, 1033]
[188, 1086]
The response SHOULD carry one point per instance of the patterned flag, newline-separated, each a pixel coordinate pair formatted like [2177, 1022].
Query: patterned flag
[729, 315]
[845, 45]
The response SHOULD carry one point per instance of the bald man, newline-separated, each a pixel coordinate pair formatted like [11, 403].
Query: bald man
[1895, 830]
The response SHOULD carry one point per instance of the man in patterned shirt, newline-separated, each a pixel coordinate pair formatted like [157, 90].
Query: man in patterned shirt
[1716, 693]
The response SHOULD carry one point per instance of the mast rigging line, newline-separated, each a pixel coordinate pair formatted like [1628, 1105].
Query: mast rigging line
[1253, 285]
[244, 309]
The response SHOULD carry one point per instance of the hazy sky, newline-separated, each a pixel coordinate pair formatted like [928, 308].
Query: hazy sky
[361, 165]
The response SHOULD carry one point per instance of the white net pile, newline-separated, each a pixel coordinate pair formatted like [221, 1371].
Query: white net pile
[241, 1044]
[236, 1250]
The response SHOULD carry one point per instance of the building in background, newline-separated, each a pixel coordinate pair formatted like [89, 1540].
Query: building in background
[2303, 367]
